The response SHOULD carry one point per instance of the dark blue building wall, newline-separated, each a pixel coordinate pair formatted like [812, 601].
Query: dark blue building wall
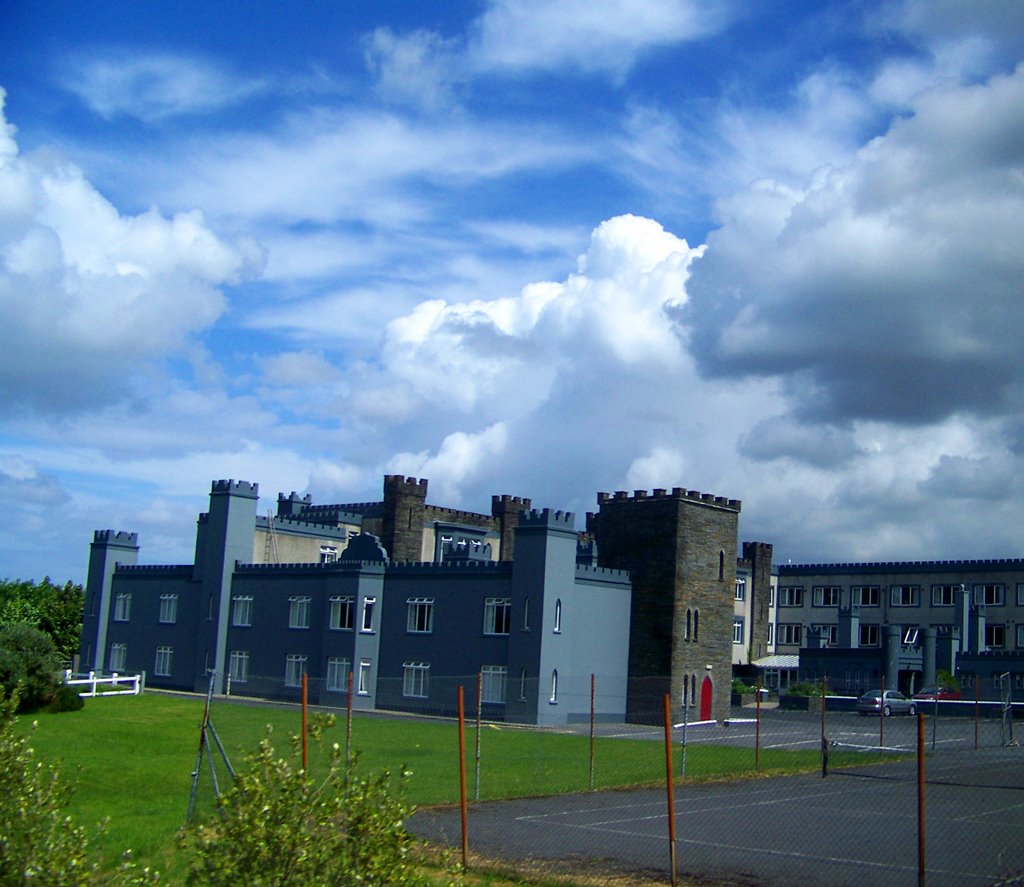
[456, 647]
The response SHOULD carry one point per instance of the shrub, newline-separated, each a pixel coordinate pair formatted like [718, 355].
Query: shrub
[280, 826]
[28, 663]
[739, 687]
[66, 699]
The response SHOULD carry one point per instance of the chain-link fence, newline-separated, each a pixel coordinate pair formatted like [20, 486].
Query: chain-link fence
[770, 796]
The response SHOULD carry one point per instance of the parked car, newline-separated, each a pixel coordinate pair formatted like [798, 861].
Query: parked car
[895, 703]
[940, 693]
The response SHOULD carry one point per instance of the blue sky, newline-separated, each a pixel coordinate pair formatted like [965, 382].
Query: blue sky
[771, 251]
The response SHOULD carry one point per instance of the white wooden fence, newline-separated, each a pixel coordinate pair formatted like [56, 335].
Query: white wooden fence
[106, 685]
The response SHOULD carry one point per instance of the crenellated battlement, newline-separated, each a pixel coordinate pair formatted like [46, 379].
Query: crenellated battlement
[299, 525]
[115, 537]
[458, 565]
[545, 517]
[967, 566]
[235, 488]
[586, 571]
[454, 515]
[678, 493]
[156, 569]
[398, 483]
[338, 566]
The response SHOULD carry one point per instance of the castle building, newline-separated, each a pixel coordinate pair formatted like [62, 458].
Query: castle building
[404, 601]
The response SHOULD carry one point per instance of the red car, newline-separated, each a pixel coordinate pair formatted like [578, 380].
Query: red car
[937, 693]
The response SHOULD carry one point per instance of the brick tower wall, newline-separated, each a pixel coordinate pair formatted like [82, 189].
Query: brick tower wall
[680, 550]
[506, 510]
[758, 558]
[402, 519]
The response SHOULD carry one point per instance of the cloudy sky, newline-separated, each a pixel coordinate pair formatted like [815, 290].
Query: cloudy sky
[772, 251]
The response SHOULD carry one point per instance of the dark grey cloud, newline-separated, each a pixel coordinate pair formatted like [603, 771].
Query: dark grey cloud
[889, 288]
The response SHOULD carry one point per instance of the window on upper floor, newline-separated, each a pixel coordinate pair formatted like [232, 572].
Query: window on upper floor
[241, 610]
[369, 605]
[910, 634]
[868, 636]
[558, 615]
[419, 615]
[829, 631]
[790, 634]
[944, 595]
[826, 595]
[328, 554]
[497, 615]
[992, 595]
[741, 589]
[791, 596]
[365, 676]
[737, 630]
[298, 611]
[995, 636]
[340, 617]
[122, 606]
[904, 595]
[864, 595]
[771, 633]
[168, 608]
[553, 698]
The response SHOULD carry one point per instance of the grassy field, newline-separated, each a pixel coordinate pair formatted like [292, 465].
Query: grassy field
[131, 760]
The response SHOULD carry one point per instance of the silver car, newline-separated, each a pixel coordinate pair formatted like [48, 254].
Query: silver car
[895, 703]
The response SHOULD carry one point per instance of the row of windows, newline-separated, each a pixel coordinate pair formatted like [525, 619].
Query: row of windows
[991, 595]
[168, 608]
[870, 635]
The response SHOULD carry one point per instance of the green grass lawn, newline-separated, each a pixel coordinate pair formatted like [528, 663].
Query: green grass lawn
[131, 760]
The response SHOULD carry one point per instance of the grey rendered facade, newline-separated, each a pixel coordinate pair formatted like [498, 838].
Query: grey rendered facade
[904, 621]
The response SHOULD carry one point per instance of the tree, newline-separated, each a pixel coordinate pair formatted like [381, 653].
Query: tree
[282, 827]
[28, 665]
[54, 609]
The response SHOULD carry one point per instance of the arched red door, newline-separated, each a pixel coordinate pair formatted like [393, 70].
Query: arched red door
[705, 699]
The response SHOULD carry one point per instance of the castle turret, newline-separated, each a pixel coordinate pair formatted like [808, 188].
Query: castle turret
[108, 549]
[507, 509]
[405, 500]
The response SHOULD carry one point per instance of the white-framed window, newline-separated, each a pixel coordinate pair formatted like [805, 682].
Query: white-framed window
[558, 615]
[419, 615]
[790, 633]
[522, 684]
[826, 595]
[526, 614]
[241, 610]
[337, 673]
[991, 595]
[162, 666]
[328, 554]
[168, 609]
[771, 595]
[864, 595]
[1020, 637]
[904, 595]
[944, 595]
[369, 605]
[740, 593]
[122, 606]
[869, 636]
[497, 615]
[363, 685]
[238, 666]
[493, 680]
[416, 679]
[553, 698]
[791, 596]
[995, 636]
[771, 632]
[829, 631]
[737, 630]
[118, 657]
[340, 618]
[294, 667]
[298, 611]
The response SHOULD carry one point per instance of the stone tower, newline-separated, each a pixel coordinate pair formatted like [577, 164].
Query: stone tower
[758, 558]
[404, 511]
[680, 550]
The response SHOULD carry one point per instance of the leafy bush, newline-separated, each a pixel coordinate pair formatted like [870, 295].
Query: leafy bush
[739, 687]
[54, 609]
[66, 699]
[807, 688]
[28, 663]
[281, 826]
